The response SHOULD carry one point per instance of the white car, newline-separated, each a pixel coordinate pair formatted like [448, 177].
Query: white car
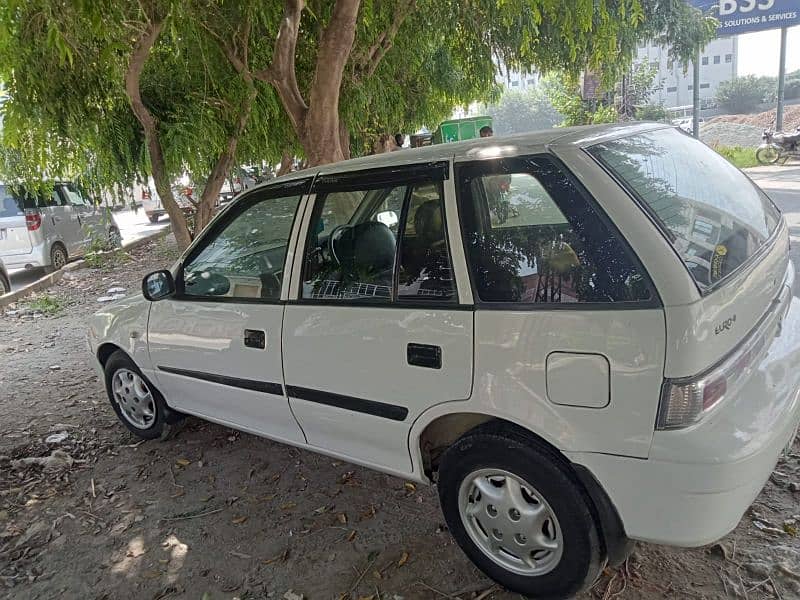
[45, 230]
[584, 336]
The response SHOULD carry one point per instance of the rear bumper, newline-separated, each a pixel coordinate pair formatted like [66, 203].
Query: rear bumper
[698, 482]
[36, 258]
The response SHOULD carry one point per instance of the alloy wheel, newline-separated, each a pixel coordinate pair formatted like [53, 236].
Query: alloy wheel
[135, 400]
[510, 521]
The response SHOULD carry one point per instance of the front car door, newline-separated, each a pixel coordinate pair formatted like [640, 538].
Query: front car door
[215, 348]
[375, 332]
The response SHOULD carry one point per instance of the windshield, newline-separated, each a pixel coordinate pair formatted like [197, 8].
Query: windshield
[715, 217]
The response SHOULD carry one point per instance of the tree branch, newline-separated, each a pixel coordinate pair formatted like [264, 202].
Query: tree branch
[133, 75]
[281, 73]
[385, 40]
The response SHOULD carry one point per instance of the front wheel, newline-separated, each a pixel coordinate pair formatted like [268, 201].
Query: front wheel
[519, 513]
[138, 404]
[153, 218]
[114, 238]
[768, 155]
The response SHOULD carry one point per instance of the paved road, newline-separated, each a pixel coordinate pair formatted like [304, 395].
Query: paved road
[782, 183]
[131, 225]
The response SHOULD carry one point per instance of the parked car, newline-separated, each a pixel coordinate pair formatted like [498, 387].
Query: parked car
[5, 282]
[46, 230]
[154, 207]
[584, 336]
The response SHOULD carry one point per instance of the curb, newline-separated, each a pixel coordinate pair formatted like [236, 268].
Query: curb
[52, 278]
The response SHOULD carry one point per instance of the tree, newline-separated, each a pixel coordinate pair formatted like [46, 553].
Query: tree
[117, 89]
[742, 94]
[518, 112]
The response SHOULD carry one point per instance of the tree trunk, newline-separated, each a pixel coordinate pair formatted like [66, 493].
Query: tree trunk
[141, 51]
[208, 199]
[286, 164]
[321, 136]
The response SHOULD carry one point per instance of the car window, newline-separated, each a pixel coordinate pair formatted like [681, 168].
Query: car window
[73, 195]
[10, 204]
[532, 237]
[425, 266]
[351, 252]
[246, 258]
[715, 217]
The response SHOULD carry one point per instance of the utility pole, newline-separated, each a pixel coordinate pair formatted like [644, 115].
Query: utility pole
[696, 94]
[781, 80]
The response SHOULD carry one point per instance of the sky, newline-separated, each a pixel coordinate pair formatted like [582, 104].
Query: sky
[759, 52]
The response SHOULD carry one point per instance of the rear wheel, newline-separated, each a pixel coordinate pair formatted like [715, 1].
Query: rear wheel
[5, 285]
[114, 237]
[519, 513]
[58, 258]
[153, 218]
[768, 155]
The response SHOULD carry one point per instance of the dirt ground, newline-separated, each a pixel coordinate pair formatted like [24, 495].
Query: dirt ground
[216, 514]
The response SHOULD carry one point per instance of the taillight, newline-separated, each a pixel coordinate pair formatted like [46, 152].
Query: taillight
[685, 401]
[33, 220]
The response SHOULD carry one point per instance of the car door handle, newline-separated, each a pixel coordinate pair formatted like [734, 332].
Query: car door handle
[424, 355]
[255, 338]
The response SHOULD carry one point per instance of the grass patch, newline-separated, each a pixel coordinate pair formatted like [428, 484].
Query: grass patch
[740, 157]
[46, 304]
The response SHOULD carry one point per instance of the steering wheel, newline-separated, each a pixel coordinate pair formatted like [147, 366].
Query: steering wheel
[336, 233]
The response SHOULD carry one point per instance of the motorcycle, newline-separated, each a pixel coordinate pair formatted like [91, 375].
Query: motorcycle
[778, 146]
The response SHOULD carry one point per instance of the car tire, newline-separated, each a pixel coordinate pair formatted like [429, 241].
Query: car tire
[5, 285]
[136, 401]
[114, 238]
[519, 513]
[153, 218]
[58, 258]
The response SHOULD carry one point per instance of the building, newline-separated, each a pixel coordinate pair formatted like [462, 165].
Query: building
[718, 63]
[516, 81]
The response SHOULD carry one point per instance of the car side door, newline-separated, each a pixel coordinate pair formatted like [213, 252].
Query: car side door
[215, 347]
[66, 219]
[375, 331]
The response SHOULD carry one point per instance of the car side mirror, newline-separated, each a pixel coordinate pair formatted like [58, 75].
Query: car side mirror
[158, 285]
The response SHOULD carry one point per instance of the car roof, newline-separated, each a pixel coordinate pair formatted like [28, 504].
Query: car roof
[481, 148]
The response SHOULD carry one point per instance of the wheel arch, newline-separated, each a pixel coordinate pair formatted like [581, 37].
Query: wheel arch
[105, 350]
[440, 432]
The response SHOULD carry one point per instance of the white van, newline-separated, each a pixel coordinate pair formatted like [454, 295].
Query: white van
[45, 231]
[584, 336]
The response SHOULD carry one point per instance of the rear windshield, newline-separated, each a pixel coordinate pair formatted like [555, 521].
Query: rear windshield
[12, 203]
[712, 214]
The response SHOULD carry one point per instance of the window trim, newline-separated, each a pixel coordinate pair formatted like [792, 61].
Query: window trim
[653, 302]
[409, 176]
[742, 269]
[248, 199]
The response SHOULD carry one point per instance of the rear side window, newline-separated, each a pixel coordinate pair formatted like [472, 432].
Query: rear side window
[714, 217]
[379, 244]
[533, 238]
[14, 201]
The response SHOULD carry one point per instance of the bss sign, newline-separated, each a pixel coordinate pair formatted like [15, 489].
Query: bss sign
[742, 16]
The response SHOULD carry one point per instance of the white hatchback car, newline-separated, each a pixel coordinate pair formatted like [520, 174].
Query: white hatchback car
[584, 336]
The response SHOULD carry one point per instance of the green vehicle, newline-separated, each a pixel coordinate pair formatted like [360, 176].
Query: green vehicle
[460, 129]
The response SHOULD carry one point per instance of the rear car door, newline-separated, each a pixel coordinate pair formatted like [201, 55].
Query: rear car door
[69, 221]
[215, 348]
[567, 322]
[85, 215]
[375, 333]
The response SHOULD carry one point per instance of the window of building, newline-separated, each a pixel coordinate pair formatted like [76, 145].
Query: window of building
[705, 86]
[654, 64]
[531, 81]
[672, 89]
[716, 59]
[705, 60]
[532, 238]
[515, 84]
[690, 87]
[728, 58]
